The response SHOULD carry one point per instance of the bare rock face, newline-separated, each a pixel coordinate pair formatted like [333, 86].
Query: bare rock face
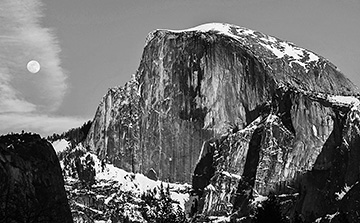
[296, 137]
[31, 183]
[313, 169]
[202, 83]
[246, 114]
[114, 134]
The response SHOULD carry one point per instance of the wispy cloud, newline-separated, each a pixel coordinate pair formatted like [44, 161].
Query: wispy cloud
[22, 39]
[23, 95]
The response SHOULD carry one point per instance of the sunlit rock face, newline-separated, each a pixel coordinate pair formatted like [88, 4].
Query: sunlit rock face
[240, 114]
[202, 83]
[31, 183]
[272, 107]
[190, 92]
[293, 143]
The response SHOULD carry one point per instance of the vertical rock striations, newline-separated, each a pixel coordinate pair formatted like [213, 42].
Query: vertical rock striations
[31, 183]
[114, 133]
[223, 82]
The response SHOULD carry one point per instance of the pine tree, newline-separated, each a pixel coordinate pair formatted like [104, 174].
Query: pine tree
[161, 210]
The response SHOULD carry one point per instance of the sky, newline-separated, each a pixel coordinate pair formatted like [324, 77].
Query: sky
[85, 47]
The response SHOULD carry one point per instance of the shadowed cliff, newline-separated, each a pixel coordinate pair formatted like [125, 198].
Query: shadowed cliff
[31, 183]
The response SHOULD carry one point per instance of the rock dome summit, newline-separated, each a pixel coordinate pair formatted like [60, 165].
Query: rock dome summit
[240, 114]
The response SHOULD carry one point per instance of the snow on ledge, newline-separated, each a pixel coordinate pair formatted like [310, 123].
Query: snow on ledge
[340, 195]
[327, 217]
[349, 101]
[219, 219]
[231, 175]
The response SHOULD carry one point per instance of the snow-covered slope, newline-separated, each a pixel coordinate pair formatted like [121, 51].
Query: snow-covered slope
[108, 174]
[60, 145]
[98, 191]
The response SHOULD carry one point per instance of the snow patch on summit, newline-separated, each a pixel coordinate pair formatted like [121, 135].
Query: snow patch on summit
[278, 48]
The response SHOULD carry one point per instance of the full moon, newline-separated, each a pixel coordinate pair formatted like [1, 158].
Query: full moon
[33, 66]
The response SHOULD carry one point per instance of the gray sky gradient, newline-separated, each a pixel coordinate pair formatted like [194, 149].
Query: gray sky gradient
[101, 42]
[29, 101]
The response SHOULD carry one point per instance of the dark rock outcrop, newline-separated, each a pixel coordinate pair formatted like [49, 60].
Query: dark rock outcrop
[31, 183]
[309, 169]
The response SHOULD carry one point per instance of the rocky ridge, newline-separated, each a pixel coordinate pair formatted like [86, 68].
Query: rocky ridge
[195, 84]
[250, 113]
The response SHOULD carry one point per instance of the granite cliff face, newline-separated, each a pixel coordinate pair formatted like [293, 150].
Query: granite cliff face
[311, 169]
[31, 183]
[114, 133]
[296, 137]
[202, 83]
